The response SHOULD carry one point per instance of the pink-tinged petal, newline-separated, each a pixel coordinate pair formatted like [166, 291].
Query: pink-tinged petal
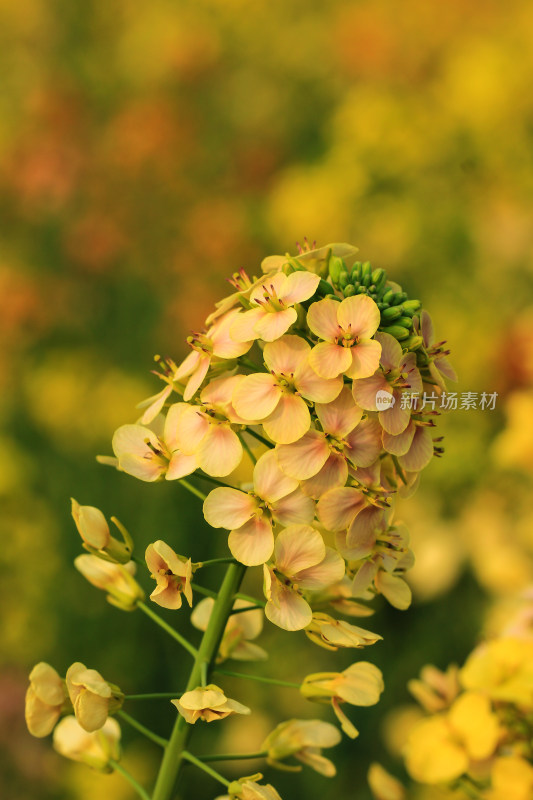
[168, 596]
[228, 508]
[365, 359]
[181, 465]
[304, 458]
[341, 416]
[219, 392]
[270, 482]
[197, 377]
[420, 453]
[285, 355]
[274, 324]
[135, 456]
[223, 344]
[267, 287]
[363, 532]
[188, 431]
[187, 366]
[243, 327]
[391, 351]
[297, 508]
[256, 396]
[359, 315]
[333, 474]
[170, 430]
[220, 452]
[329, 571]
[395, 419]
[298, 286]
[394, 589]
[329, 359]
[297, 548]
[322, 319]
[289, 420]
[364, 443]
[286, 608]
[252, 544]
[426, 327]
[400, 444]
[364, 578]
[444, 366]
[148, 470]
[155, 404]
[159, 555]
[337, 508]
[366, 389]
[313, 387]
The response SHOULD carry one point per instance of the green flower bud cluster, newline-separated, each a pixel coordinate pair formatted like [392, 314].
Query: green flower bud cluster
[397, 310]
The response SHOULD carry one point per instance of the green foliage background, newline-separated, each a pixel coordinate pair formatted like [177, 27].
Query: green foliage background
[147, 151]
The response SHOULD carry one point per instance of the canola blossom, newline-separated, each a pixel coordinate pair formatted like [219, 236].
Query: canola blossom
[278, 403]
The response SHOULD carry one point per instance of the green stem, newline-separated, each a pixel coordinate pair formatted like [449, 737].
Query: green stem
[246, 446]
[246, 608]
[253, 600]
[233, 756]
[259, 678]
[247, 362]
[202, 590]
[142, 729]
[154, 696]
[168, 628]
[209, 562]
[197, 763]
[174, 752]
[131, 780]
[259, 438]
[192, 489]
[210, 479]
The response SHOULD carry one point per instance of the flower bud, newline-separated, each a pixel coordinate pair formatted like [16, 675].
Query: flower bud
[117, 580]
[302, 739]
[46, 698]
[95, 749]
[92, 697]
[97, 539]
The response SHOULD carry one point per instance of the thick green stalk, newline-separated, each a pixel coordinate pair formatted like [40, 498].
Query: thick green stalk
[172, 759]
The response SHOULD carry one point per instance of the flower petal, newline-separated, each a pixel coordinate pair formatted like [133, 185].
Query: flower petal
[400, 444]
[329, 571]
[359, 315]
[298, 286]
[252, 544]
[304, 458]
[341, 416]
[256, 396]
[286, 608]
[322, 319]
[362, 533]
[298, 547]
[329, 359]
[197, 377]
[289, 420]
[180, 465]
[364, 443]
[334, 473]
[270, 482]
[224, 346]
[274, 324]
[365, 390]
[188, 430]
[220, 452]
[311, 386]
[365, 359]
[284, 355]
[395, 419]
[420, 452]
[391, 350]
[337, 508]
[296, 508]
[228, 508]
[394, 589]
[243, 328]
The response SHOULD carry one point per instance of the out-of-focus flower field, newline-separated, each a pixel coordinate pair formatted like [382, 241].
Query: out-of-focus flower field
[147, 150]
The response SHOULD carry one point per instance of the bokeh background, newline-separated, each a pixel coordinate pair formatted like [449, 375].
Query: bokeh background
[147, 150]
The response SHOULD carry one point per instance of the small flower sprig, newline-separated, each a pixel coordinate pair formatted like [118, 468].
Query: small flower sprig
[291, 402]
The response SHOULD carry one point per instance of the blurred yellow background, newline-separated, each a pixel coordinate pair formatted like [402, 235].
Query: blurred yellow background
[147, 151]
